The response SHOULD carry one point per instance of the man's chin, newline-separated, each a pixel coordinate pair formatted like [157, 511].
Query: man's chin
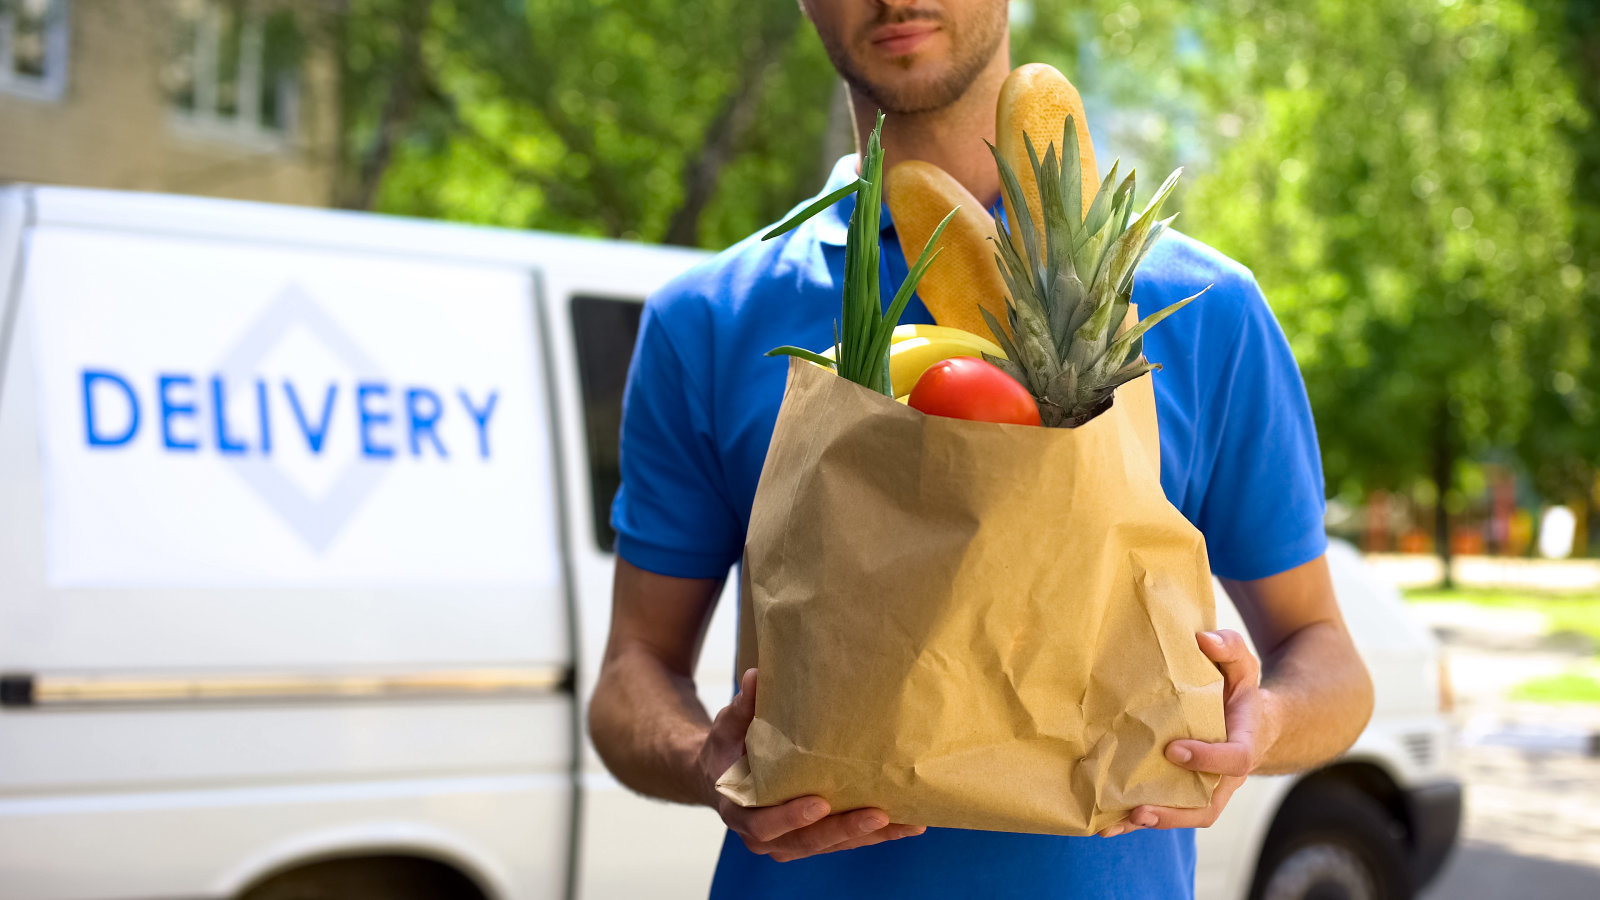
[910, 84]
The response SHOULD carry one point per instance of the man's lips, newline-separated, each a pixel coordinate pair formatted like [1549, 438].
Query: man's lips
[903, 38]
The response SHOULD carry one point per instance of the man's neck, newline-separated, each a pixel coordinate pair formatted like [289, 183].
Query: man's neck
[951, 137]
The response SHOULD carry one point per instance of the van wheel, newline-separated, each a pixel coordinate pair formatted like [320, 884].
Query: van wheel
[368, 878]
[1332, 842]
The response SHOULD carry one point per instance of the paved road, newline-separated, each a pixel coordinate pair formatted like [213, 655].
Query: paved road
[1532, 826]
[1484, 871]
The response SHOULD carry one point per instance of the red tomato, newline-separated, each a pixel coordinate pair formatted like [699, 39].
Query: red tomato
[965, 387]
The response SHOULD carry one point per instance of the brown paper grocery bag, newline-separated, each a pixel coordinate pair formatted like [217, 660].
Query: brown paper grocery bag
[971, 625]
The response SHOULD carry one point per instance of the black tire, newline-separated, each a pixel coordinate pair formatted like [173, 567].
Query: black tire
[1331, 841]
[372, 878]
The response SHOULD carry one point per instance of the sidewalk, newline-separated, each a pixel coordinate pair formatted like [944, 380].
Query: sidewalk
[1532, 818]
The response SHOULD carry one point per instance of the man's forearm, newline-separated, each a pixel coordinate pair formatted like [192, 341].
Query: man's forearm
[648, 725]
[1316, 698]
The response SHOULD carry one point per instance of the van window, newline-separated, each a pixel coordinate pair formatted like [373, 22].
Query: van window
[605, 328]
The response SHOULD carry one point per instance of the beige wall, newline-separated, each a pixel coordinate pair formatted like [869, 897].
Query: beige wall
[113, 127]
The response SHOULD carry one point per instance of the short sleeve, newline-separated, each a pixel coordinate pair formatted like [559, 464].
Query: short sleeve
[1263, 505]
[671, 514]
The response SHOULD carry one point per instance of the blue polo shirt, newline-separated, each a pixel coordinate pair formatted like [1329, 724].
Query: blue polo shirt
[1239, 459]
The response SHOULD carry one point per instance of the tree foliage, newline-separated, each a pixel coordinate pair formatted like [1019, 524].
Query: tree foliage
[1561, 446]
[1401, 188]
[645, 119]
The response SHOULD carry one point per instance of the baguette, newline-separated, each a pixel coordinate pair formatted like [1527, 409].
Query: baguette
[965, 276]
[1036, 100]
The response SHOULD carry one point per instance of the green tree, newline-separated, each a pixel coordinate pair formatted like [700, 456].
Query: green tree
[1561, 448]
[647, 119]
[1401, 185]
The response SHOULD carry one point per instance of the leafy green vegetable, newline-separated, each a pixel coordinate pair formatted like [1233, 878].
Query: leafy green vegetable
[861, 342]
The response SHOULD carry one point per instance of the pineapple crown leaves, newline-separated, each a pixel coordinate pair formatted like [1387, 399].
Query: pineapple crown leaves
[1071, 286]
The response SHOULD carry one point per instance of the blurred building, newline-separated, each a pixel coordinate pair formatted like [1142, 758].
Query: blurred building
[225, 98]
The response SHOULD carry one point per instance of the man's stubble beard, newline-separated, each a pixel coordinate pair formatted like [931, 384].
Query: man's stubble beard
[971, 59]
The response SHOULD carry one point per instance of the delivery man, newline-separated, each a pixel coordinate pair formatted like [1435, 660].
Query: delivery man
[1239, 459]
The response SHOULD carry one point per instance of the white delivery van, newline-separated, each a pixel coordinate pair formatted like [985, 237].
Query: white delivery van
[305, 573]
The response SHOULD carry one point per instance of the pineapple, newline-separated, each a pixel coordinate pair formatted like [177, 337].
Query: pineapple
[1070, 286]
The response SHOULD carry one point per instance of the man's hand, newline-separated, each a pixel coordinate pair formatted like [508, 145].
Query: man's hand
[1316, 699]
[648, 725]
[797, 829]
[1234, 759]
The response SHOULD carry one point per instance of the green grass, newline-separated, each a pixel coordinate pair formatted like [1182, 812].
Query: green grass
[1575, 613]
[1572, 613]
[1568, 687]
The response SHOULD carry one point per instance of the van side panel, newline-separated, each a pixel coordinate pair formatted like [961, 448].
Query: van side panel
[178, 724]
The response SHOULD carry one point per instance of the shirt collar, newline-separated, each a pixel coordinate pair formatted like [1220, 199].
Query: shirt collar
[833, 223]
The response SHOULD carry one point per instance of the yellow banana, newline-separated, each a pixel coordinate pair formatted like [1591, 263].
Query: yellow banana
[909, 358]
[913, 348]
[938, 333]
[932, 333]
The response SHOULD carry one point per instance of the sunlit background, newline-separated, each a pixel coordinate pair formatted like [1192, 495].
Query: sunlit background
[1415, 184]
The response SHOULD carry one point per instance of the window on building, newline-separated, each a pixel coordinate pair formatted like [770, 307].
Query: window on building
[33, 48]
[235, 69]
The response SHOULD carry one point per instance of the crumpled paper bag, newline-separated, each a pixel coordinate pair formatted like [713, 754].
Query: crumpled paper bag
[971, 625]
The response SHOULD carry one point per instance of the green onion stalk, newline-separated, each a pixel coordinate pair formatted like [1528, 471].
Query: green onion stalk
[863, 332]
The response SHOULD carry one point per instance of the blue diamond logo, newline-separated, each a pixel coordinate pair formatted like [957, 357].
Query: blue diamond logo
[317, 520]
